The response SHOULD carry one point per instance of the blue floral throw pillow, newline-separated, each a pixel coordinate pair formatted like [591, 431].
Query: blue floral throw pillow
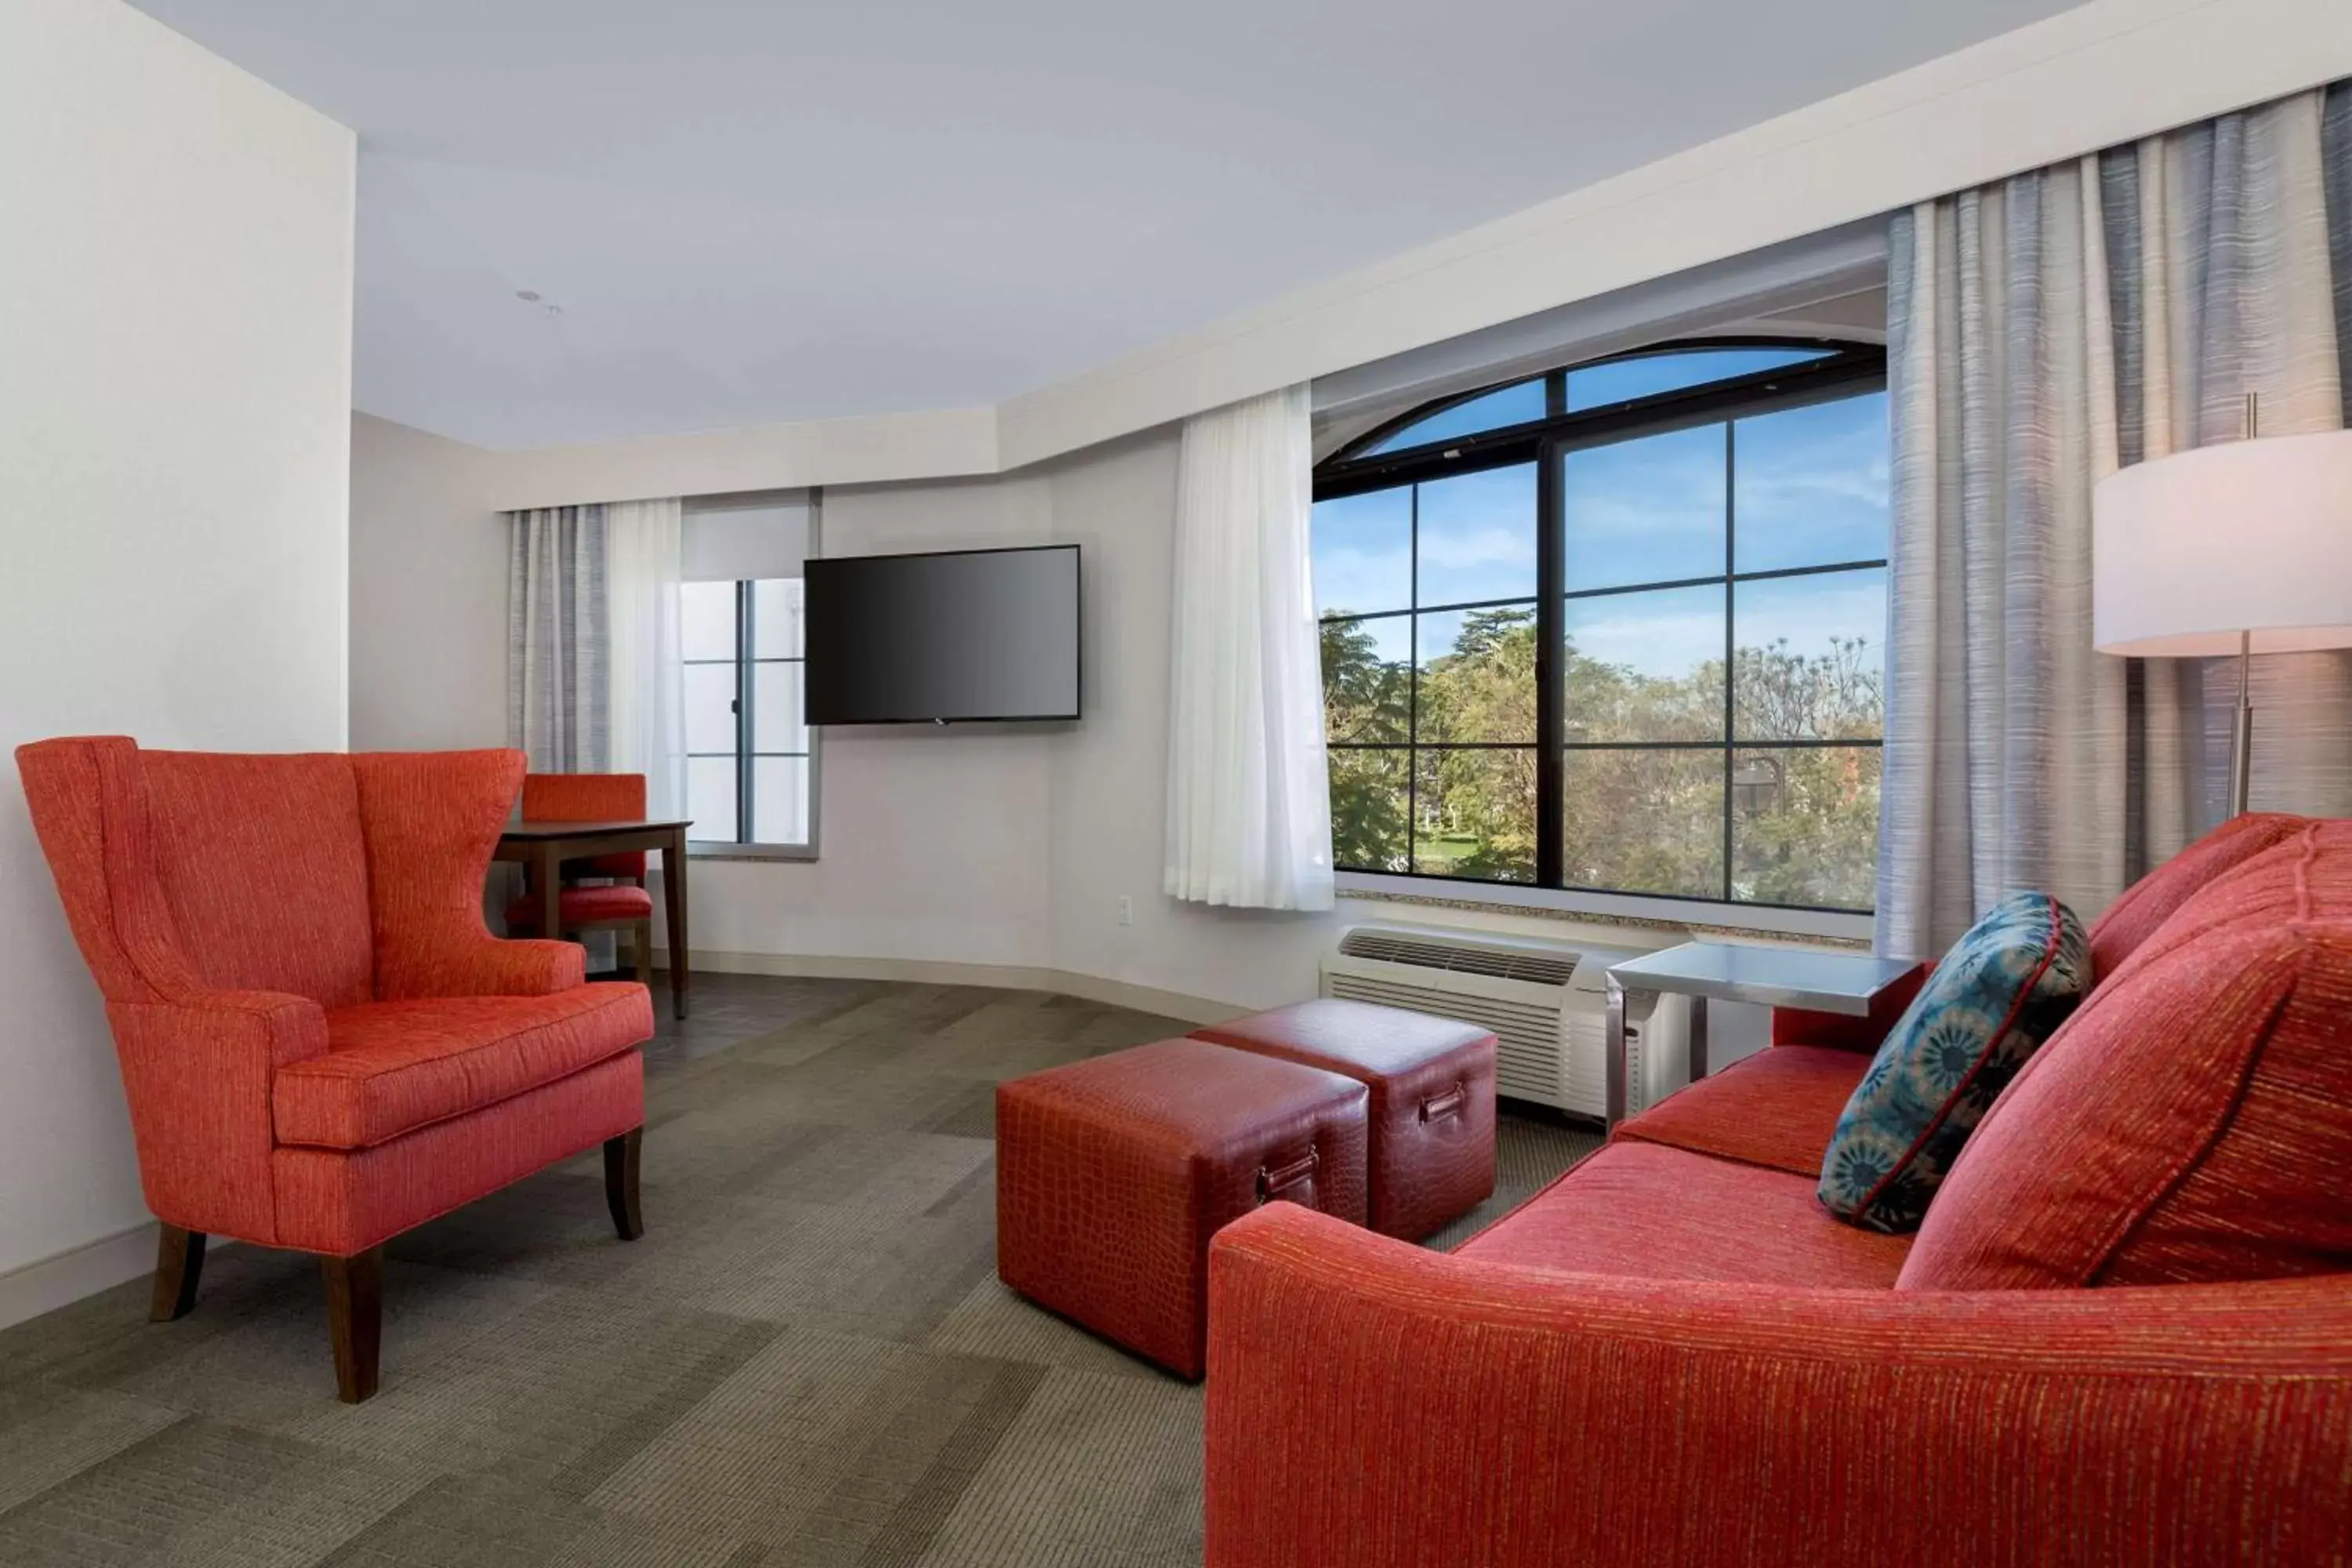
[1997, 995]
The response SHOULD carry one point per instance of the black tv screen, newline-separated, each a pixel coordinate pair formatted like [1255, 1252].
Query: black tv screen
[965, 635]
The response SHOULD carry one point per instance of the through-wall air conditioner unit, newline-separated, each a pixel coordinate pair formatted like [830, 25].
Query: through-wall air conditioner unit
[1546, 1002]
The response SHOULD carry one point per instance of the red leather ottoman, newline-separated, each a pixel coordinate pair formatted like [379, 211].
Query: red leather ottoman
[1112, 1174]
[1432, 1099]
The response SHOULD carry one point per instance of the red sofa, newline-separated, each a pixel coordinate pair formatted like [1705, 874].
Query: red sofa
[2123, 1336]
[321, 1043]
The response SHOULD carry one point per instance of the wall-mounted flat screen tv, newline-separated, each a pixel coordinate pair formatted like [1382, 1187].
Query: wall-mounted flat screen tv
[943, 638]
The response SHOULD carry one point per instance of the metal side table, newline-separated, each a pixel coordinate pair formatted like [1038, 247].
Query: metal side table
[1846, 983]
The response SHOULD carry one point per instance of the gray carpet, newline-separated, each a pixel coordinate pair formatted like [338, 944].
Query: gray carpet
[806, 1360]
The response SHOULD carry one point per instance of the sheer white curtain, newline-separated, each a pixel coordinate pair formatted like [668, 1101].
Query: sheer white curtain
[1249, 812]
[643, 551]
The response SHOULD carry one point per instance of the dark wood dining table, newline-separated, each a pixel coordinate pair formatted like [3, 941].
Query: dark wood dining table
[542, 847]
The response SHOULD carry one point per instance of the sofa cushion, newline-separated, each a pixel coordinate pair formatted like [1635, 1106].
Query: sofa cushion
[1651, 1212]
[263, 867]
[2193, 1121]
[2147, 903]
[2002, 990]
[1776, 1108]
[394, 1066]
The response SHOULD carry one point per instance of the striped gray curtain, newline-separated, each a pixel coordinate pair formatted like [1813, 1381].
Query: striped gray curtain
[558, 683]
[2041, 332]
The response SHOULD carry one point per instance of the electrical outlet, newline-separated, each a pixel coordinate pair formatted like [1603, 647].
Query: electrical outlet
[1126, 910]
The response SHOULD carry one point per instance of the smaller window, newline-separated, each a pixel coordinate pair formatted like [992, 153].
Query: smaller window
[749, 753]
[1519, 404]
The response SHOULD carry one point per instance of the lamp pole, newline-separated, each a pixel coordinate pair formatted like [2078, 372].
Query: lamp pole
[2241, 732]
[2241, 735]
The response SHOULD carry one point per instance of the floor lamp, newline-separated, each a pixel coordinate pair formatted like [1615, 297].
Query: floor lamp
[2241, 548]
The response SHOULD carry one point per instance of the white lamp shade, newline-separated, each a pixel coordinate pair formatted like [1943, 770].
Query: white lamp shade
[2189, 551]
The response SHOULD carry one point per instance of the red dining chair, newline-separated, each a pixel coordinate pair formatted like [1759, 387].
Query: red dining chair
[622, 901]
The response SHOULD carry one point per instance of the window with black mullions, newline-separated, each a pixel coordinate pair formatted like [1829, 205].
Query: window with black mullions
[1667, 573]
[747, 741]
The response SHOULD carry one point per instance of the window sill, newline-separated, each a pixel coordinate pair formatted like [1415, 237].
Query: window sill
[1638, 911]
[711, 850]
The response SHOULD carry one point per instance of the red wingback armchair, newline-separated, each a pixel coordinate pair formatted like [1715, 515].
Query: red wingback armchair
[2124, 1335]
[322, 1044]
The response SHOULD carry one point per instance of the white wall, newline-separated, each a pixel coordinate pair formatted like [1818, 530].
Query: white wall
[1109, 773]
[933, 843]
[428, 591]
[176, 291]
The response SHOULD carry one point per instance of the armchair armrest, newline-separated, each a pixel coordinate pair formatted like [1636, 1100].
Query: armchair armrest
[197, 1071]
[1370, 1403]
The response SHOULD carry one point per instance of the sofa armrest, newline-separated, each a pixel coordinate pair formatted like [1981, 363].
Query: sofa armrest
[197, 1071]
[476, 963]
[1375, 1405]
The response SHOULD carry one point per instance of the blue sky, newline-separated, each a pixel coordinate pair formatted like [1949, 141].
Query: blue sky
[1594, 387]
[1810, 489]
[1671, 631]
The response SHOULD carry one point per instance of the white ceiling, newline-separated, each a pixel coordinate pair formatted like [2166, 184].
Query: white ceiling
[753, 211]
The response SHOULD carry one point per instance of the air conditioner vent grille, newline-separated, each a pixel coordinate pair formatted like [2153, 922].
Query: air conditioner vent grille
[1489, 959]
[1527, 1059]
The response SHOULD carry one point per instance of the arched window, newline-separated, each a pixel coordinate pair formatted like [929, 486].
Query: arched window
[1616, 627]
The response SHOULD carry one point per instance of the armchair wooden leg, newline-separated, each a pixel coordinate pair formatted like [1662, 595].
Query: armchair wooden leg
[621, 1160]
[179, 1264]
[355, 1321]
[641, 943]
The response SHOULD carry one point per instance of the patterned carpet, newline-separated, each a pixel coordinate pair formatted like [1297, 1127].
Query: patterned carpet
[807, 1360]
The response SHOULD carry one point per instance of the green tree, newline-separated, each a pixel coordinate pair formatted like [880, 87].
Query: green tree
[1784, 696]
[1476, 806]
[1807, 817]
[1804, 817]
[1365, 699]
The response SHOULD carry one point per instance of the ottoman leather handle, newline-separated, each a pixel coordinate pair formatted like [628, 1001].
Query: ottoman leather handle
[1437, 1108]
[1273, 1183]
